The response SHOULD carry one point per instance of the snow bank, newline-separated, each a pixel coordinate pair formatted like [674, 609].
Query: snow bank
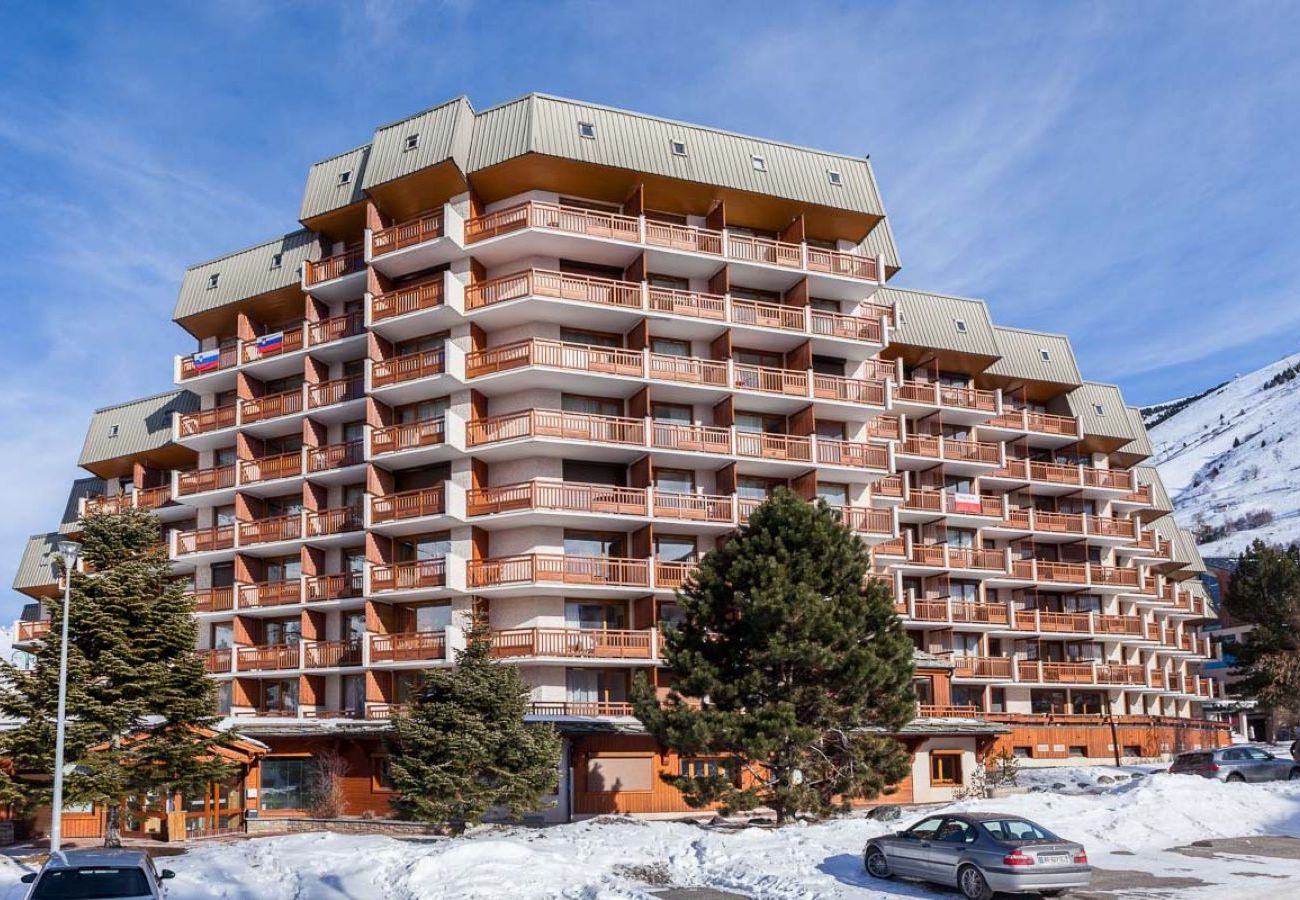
[627, 859]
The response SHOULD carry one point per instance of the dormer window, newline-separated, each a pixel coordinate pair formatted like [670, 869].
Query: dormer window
[412, 141]
[834, 178]
[345, 177]
[759, 163]
[1046, 357]
[1100, 410]
[277, 260]
[213, 279]
[112, 430]
[587, 130]
[960, 325]
[679, 147]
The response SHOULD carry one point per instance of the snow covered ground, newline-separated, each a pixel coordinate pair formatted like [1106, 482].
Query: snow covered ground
[628, 859]
[1234, 452]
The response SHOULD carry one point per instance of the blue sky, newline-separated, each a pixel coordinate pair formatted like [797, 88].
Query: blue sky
[1123, 172]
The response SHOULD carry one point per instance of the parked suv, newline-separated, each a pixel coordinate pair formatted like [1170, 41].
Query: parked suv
[1236, 764]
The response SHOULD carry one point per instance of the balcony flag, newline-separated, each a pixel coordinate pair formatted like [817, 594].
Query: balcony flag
[965, 503]
[206, 360]
[268, 343]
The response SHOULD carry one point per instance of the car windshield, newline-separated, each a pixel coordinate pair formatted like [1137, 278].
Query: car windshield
[1016, 830]
[1195, 759]
[91, 884]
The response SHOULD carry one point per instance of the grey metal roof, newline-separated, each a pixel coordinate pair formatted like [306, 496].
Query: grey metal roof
[1023, 358]
[246, 273]
[36, 568]
[326, 192]
[1149, 475]
[1141, 443]
[1100, 410]
[142, 425]
[931, 320]
[1185, 551]
[443, 133]
[81, 488]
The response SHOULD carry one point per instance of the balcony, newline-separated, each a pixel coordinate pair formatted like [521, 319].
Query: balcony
[701, 508]
[948, 610]
[331, 393]
[337, 277]
[487, 299]
[417, 243]
[847, 265]
[202, 481]
[271, 468]
[411, 646]
[336, 520]
[270, 593]
[218, 661]
[1040, 672]
[270, 530]
[958, 404]
[994, 667]
[865, 520]
[332, 654]
[596, 571]
[573, 643]
[689, 238]
[1121, 626]
[412, 298]
[557, 496]
[268, 658]
[206, 362]
[951, 503]
[205, 421]
[570, 357]
[271, 406]
[333, 457]
[28, 631]
[334, 586]
[431, 432]
[430, 501]
[744, 248]
[139, 498]
[217, 599]
[553, 217]
[1121, 674]
[421, 574]
[1038, 429]
[570, 709]
[690, 438]
[536, 423]
[407, 367]
[961, 456]
[205, 540]
[291, 340]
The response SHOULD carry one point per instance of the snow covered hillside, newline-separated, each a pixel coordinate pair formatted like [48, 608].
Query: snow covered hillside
[1231, 461]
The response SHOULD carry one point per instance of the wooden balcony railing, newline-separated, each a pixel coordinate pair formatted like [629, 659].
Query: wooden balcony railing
[206, 420]
[866, 520]
[774, 446]
[333, 654]
[335, 520]
[293, 338]
[889, 486]
[1054, 672]
[937, 501]
[854, 390]
[835, 262]
[335, 456]
[1046, 620]
[1112, 575]
[555, 217]
[1112, 479]
[268, 530]
[694, 507]
[409, 435]
[556, 285]
[406, 576]
[271, 406]
[573, 643]
[933, 711]
[686, 303]
[764, 250]
[335, 328]
[205, 540]
[1157, 678]
[269, 468]
[1071, 573]
[770, 380]
[581, 709]
[936, 394]
[338, 390]
[557, 424]
[1037, 422]
[1117, 624]
[408, 367]
[227, 358]
[429, 501]
[769, 315]
[274, 656]
[331, 267]
[972, 558]
[557, 495]
[424, 227]
[270, 593]
[217, 660]
[690, 438]
[33, 630]
[408, 299]
[219, 599]
[832, 452]
[557, 355]
[683, 237]
[672, 574]
[198, 481]
[411, 646]
[982, 667]
[333, 586]
[562, 568]
[1121, 674]
[688, 370]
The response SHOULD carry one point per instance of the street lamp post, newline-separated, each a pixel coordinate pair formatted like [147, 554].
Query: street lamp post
[68, 550]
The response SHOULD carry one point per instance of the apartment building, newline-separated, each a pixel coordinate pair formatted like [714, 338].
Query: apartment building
[526, 365]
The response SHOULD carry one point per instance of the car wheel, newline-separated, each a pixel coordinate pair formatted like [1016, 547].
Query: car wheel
[972, 884]
[1236, 777]
[876, 864]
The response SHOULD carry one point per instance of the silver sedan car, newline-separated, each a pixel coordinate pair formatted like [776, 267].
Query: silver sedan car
[1237, 764]
[981, 854]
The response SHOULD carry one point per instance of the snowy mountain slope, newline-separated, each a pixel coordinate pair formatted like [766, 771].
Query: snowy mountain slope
[1231, 461]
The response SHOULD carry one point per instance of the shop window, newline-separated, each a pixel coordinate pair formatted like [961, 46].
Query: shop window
[945, 768]
[287, 782]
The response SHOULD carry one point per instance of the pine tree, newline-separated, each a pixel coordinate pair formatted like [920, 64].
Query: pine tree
[464, 748]
[1265, 592]
[789, 662]
[140, 709]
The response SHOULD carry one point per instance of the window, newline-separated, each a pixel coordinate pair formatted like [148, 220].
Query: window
[925, 829]
[1132, 750]
[759, 164]
[924, 688]
[213, 280]
[960, 325]
[587, 130]
[834, 178]
[1100, 410]
[1022, 752]
[277, 260]
[412, 141]
[287, 783]
[345, 177]
[1046, 357]
[700, 767]
[112, 430]
[679, 147]
[955, 831]
[1016, 830]
[381, 773]
[945, 768]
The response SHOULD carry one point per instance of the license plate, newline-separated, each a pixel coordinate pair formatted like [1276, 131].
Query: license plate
[1054, 859]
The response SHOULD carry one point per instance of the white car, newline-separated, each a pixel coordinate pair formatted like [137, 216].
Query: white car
[98, 875]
